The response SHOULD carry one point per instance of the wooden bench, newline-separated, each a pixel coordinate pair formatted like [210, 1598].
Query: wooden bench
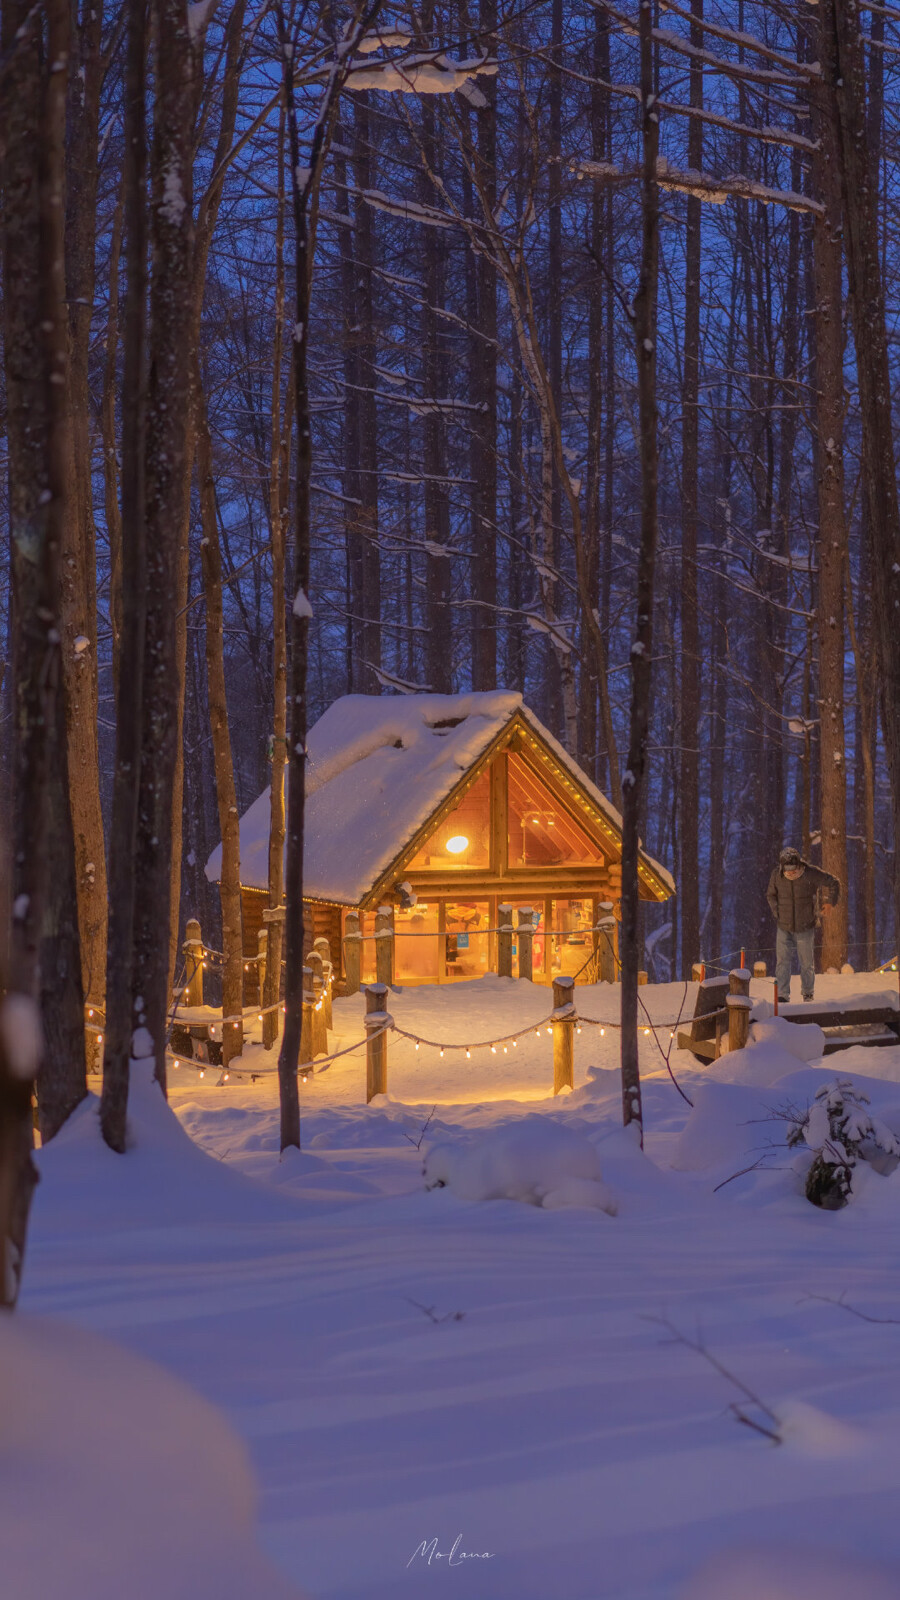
[710, 1020]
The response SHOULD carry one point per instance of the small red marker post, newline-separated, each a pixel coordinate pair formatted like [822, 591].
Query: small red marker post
[743, 959]
[776, 996]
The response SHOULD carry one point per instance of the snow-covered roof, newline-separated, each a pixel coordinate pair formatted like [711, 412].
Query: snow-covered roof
[378, 767]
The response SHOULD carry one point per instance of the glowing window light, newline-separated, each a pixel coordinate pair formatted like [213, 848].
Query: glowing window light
[457, 844]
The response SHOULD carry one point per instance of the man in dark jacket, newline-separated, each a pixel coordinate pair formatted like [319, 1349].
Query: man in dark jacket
[794, 894]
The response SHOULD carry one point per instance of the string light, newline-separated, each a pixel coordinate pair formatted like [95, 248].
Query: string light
[493, 1049]
[90, 1011]
[468, 1053]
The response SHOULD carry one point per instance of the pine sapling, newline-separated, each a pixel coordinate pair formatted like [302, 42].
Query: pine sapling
[840, 1131]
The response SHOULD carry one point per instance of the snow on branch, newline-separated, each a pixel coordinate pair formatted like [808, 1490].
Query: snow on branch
[700, 184]
[683, 47]
[419, 74]
[745, 41]
[410, 210]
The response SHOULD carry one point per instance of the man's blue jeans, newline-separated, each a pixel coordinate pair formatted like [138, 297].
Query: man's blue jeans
[804, 944]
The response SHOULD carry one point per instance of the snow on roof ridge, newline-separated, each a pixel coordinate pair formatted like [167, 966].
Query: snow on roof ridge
[357, 725]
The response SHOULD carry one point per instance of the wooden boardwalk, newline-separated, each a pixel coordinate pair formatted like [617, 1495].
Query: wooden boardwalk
[859, 1021]
[845, 1026]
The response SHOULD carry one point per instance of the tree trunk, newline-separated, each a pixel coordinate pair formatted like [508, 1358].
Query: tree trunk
[168, 413]
[110, 448]
[641, 667]
[841, 24]
[45, 960]
[689, 676]
[129, 684]
[483, 357]
[226, 793]
[365, 477]
[438, 637]
[279, 486]
[79, 565]
[832, 540]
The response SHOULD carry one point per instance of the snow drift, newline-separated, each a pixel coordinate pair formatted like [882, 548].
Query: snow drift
[117, 1480]
[535, 1161]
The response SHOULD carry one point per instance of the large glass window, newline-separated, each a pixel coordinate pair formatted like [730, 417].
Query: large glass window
[467, 941]
[463, 839]
[571, 943]
[541, 832]
[416, 944]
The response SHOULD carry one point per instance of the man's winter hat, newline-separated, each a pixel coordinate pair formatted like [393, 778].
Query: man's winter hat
[790, 857]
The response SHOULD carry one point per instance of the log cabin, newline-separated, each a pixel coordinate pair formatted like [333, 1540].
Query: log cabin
[444, 807]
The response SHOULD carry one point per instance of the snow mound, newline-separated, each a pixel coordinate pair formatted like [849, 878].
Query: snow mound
[810, 1432]
[774, 1048]
[116, 1480]
[805, 1040]
[164, 1177]
[538, 1162]
[726, 1128]
[790, 1574]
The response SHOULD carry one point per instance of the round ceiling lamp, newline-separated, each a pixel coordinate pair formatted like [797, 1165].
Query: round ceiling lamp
[457, 844]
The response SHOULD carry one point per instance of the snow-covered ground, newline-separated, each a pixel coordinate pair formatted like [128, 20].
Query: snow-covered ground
[548, 1384]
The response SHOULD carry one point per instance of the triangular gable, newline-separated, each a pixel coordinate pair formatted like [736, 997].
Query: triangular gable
[574, 791]
[385, 769]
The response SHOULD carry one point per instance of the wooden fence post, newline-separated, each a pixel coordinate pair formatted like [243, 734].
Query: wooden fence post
[738, 1020]
[739, 1005]
[759, 969]
[563, 1033]
[319, 1031]
[524, 941]
[352, 952]
[324, 948]
[306, 1028]
[605, 942]
[642, 979]
[384, 945]
[376, 1040]
[504, 940]
[698, 972]
[193, 963]
[262, 945]
[271, 1023]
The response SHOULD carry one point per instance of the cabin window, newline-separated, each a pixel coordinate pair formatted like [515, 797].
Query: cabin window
[542, 833]
[417, 944]
[463, 838]
[571, 942]
[466, 942]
